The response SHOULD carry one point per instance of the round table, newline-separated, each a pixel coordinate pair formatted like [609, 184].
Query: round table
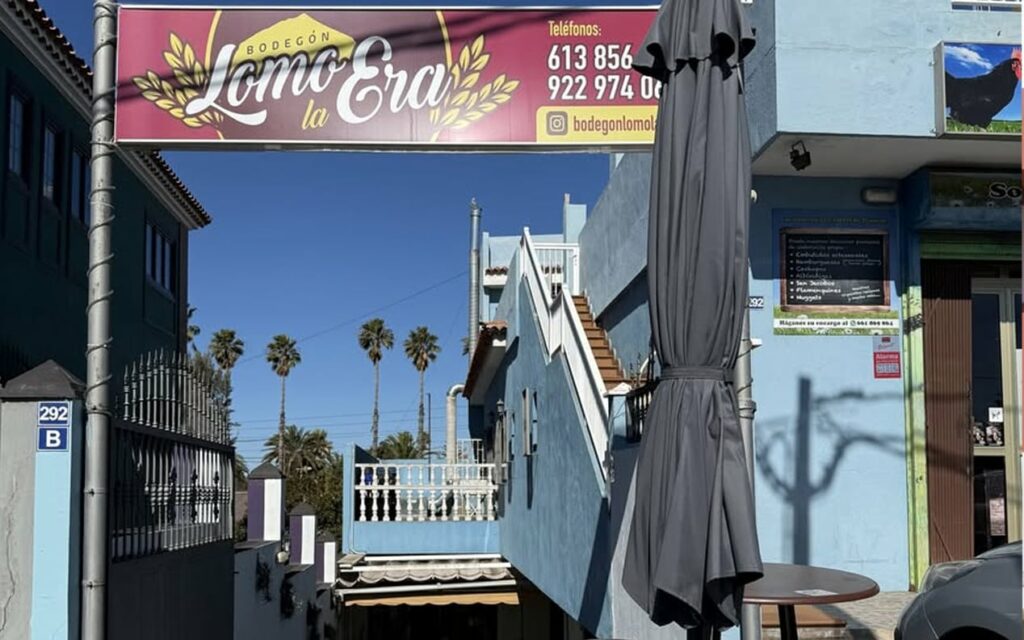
[787, 585]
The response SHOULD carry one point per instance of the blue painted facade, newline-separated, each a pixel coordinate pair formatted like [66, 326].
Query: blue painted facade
[56, 558]
[554, 523]
[855, 68]
[834, 472]
[833, 466]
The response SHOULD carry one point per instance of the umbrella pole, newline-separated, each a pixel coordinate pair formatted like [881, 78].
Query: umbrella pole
[750, 620]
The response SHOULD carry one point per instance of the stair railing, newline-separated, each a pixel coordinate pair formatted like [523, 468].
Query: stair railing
[562, 331]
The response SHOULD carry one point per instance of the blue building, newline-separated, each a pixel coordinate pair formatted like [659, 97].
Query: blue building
[885, 307]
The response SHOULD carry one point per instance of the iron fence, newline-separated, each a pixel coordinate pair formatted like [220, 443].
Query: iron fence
[173, 392]
[171, 461]
[638, 401]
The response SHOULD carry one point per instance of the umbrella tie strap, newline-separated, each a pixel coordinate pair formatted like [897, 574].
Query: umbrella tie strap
[697, 373]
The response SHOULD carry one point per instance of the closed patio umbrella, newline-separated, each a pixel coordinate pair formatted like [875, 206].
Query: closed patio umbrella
[693, 543]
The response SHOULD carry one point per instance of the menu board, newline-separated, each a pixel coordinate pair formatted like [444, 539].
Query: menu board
[824, 269]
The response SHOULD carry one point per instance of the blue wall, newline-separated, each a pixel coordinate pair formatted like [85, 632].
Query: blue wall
[57, 515]
[851, 510]
[554, 528]
[858, 68]
[853, 490]
[613, 243]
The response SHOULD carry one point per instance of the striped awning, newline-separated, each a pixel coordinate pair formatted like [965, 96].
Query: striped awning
[450, 569]
[423, 580]
[440, 598]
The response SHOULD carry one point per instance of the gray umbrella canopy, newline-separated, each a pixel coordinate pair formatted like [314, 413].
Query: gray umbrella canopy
[693, 544]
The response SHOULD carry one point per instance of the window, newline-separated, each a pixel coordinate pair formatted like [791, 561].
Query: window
[16, 135]
[529, 430]
[160, 259]
[50, 163]
[80, 187]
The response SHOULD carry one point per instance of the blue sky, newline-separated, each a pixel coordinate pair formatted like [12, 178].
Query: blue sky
[967, 60]
[309, 244]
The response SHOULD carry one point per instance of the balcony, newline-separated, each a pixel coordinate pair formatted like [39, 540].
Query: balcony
[399, 507]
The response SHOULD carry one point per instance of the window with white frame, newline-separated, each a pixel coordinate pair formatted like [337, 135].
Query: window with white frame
[80, 186]
[160, 259]
[50, 163]
[529, 425]
[16, 132]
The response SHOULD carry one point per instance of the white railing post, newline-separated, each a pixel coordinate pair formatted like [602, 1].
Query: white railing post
[425, 492]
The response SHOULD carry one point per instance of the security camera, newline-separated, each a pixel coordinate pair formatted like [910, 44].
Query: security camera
[799, 156]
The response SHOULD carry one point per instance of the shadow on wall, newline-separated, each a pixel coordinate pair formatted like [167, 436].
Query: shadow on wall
[798, 488]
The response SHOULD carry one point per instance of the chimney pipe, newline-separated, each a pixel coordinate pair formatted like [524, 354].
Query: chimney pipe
[474, 275]
[451, 441]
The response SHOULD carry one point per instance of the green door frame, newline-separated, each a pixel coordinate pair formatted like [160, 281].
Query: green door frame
[931, 246]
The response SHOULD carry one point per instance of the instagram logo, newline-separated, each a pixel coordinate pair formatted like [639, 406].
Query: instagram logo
[558, 123]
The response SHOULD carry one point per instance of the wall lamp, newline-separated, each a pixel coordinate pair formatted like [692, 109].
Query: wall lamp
[878, 195]
[799, 156]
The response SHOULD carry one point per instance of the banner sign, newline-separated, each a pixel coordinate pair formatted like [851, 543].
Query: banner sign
[383, 78]
[977, 86]
[1002, 191]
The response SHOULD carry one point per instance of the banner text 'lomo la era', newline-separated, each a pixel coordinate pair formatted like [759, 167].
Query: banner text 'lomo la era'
[379, 78]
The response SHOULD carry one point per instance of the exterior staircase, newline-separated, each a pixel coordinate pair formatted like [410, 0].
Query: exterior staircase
[607, 363]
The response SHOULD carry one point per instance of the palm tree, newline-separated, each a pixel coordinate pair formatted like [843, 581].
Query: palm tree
[421, 348]
[283, 356]
[399, 446]
[374, 338]
[297, 452]
[226, 348]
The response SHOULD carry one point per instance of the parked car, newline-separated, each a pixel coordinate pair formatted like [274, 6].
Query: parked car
[977, 599]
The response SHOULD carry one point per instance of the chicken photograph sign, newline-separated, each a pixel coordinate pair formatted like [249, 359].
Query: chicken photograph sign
[978, 88]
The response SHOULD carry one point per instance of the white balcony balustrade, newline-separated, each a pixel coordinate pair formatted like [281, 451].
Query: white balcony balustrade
[469, 450]
[424, 492]
[560, 265]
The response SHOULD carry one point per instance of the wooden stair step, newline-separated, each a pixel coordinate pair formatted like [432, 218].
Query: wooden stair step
[600, 346]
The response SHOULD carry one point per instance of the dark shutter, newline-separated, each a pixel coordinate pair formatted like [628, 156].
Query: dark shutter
[946, 289]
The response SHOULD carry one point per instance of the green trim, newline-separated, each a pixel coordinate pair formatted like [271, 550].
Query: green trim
[914, 415]
[931, 246]
[970, 246]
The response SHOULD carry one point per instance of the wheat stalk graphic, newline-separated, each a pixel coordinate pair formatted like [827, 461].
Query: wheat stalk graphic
[191, 79]
[465, 103]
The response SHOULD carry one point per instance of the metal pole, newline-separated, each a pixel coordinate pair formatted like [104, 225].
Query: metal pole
[430, 431]
[97, 377]
[474, 275]
[750, 622]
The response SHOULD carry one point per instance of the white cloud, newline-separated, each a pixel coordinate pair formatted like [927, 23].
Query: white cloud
[967, 56]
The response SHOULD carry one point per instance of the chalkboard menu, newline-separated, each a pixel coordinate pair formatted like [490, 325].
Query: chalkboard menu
[825, 269]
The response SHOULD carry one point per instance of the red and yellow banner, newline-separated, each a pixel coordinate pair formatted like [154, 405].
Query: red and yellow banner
[380, 78]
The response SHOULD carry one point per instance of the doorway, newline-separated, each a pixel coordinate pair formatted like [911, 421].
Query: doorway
[972, 316]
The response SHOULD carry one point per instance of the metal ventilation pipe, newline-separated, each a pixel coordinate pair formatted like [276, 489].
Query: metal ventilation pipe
[474, 275]
[451, 441]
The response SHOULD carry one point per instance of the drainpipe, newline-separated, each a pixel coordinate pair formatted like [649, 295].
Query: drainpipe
[451, 442]
[474, 275]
